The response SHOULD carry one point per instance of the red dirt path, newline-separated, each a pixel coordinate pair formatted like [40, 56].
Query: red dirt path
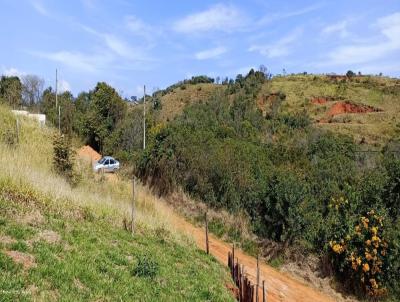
[280, 287]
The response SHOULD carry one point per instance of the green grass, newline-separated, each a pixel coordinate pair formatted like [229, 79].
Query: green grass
[95, 258]
[98, 261]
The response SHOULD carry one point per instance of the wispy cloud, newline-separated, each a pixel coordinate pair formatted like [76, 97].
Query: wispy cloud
[387, 43]
[77, 60]
[39, 7]
[339, 28]
[138, 26]
[118, 46]
[13, 72]
[63, 86]
[212, 53]
[280, 48]
[267, 19]
[220, 17]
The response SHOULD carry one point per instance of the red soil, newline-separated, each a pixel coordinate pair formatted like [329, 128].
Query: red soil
[319, 100]
[88, 153]
[347, 107]
[280, 286]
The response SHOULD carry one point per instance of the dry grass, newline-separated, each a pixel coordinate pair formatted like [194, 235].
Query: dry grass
[174, 102]
[30, 163]
[374, 128]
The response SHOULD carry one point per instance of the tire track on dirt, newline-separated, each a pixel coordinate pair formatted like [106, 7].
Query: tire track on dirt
[280, 287]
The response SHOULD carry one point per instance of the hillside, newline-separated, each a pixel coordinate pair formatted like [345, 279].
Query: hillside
[63, 243]
[288, 161]
[371, 116]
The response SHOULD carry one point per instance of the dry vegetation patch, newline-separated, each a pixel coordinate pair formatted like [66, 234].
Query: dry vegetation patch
[27, 260]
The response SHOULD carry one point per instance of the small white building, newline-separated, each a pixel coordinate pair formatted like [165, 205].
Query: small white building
[41, 118]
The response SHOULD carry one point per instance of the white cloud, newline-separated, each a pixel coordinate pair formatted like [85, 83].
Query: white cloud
[118, 46]
[137, 26]
[210, 53]
[63, 86]
[13, 72]
[336, 28]
[387, 43]
[78, 61]
[279, 48]
[39, 7]
[284, 15]
[220, 17]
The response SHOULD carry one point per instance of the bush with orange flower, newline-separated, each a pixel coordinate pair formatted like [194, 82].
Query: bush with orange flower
[361, 253]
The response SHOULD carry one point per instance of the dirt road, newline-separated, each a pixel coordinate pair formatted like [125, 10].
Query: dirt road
[280, 287]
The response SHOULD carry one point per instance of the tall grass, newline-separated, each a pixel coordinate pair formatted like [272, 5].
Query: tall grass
[29, 162]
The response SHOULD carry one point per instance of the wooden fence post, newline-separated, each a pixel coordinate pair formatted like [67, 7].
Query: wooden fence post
[207, 244]
[233, 257]
[258, 277]
[133, 204]
[17, 125]
[264, 296]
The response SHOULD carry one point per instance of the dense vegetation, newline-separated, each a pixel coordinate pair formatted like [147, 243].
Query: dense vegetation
[299, 184]
[251, 146]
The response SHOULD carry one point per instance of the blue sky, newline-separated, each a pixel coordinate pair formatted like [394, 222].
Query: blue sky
[157, 43]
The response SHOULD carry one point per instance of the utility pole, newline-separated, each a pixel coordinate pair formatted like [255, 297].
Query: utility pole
[59, 119]
[144, 117]
[56, 89]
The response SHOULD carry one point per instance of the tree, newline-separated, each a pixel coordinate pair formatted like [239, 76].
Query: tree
[106, 109]
[67, 106]
[48, 105]
[32, 89]
[350, 74]
[11, 90]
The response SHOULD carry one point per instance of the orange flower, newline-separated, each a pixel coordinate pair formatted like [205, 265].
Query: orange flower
[368, 256]
[365, 267]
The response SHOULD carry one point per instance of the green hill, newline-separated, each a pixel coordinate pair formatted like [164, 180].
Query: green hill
[63, 243]
[316, 94]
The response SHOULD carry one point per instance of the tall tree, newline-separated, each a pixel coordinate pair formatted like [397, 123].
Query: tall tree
[32, 89]
[105, 110]
[11, 90]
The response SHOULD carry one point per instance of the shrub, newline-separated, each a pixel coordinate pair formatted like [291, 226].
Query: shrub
[358, 248]
[63, 159]
[146, 267]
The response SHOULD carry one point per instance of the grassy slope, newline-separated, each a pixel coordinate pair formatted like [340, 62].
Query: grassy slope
[375, 127]
[88, 255]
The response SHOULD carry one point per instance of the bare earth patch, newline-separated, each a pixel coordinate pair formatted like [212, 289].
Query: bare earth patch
[349, 107]
[34, 218]
[48, 236]
[308, 271]
[7, 239]
[79, 284]
[26, 260]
